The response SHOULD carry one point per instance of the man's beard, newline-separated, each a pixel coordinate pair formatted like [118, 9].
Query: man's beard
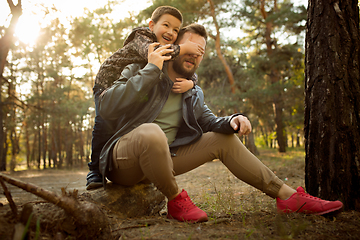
[178, 66]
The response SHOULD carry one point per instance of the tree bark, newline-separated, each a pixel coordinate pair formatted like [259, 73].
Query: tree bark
[332, 101]
[251, 144]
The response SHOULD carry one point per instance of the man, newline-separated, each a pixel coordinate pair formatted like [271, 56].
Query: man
[159, 134]
[164, 27]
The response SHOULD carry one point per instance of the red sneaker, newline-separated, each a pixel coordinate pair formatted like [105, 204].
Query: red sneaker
[302, 202]
[183, 209]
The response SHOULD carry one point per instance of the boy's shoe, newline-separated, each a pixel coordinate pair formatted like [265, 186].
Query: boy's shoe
[302, 202]
[93, 180]
[183, 209]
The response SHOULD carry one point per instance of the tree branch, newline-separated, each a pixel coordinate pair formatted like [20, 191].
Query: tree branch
[9, 198]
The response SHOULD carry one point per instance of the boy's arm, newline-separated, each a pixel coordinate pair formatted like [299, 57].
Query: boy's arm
[141, 41]
[141, 38]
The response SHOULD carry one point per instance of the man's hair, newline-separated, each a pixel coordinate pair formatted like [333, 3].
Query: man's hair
[160, 11]
[193, 28]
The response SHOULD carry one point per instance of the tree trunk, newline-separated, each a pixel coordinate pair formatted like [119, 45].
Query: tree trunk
[27, 144]
[298, 139]
[33, 149]
[218, 48]
[332, 101]
[274, 77]
[280, 131]
[45, 145]
[59, 146]
[251, 144]
[38, 157]
[5, 43]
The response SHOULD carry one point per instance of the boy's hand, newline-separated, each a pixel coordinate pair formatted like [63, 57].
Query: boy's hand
[190, 47]
[182, 85]
[158, 57]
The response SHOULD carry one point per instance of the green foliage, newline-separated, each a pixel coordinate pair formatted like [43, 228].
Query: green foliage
[97, 33]
[254, 66]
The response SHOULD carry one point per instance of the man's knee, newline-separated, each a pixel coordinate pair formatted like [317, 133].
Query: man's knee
[151, 132]
[227, 140]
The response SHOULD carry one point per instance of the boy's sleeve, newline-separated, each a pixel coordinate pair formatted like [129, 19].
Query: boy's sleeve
[132, 52]
[141, 40]
[176, 51]
[194, 78]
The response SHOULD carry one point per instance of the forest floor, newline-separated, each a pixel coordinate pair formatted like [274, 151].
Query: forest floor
[235, 210]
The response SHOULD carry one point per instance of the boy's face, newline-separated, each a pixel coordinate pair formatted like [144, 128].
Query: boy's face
[166, 29]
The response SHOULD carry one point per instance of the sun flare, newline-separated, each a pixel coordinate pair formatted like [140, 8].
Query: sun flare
[27, 29]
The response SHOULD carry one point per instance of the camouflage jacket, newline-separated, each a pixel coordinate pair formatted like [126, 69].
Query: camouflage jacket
[135, 50]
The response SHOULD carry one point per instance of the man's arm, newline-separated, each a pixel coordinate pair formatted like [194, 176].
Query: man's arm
[129, 91]
[227, 125]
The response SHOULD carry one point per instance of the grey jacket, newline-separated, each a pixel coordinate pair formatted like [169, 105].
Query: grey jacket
[138, 97]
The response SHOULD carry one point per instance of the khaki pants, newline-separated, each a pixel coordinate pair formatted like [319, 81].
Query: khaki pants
[143, 154]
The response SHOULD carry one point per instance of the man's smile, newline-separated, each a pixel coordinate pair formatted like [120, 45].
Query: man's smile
[190, 61]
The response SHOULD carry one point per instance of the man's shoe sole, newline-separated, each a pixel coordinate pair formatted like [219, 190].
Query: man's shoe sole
[333, 211]
[94, 185]
[201, 219]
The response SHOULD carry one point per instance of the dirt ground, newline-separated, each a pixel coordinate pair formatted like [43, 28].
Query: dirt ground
[235, 210]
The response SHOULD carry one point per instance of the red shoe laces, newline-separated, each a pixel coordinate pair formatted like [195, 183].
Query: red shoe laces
[186, 203]
[309, 196]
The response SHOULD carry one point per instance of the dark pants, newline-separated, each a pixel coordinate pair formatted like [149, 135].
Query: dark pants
[100, 135]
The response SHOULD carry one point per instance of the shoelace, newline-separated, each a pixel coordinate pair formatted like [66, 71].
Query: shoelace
[309, 196]
[186, 203]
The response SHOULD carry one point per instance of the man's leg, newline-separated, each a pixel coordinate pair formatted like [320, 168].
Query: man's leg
[144, 154]
[235, 156]
[245, 166]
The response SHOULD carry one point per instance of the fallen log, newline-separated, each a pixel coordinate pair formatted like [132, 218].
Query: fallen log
[140, 200]
[88, 217]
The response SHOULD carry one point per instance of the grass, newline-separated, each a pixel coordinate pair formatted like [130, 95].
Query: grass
[224, 193]
[255, 214]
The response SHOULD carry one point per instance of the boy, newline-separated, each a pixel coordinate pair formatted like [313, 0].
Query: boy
[163, 28]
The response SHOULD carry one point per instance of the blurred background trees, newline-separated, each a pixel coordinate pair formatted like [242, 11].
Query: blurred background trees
[254, 64]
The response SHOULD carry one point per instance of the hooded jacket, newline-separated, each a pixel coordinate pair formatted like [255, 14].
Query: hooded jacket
[139, 96]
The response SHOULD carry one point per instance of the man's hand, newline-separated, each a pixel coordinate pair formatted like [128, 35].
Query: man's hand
[158, 57]
[242, 122]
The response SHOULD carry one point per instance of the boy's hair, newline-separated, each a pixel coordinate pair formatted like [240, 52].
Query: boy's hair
[158, 12]
[193, 28]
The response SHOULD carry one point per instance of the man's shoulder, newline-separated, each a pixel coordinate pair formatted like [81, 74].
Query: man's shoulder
[150, 68]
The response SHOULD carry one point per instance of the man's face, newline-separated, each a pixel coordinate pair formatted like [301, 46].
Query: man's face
[166, 29]
[187, 64]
